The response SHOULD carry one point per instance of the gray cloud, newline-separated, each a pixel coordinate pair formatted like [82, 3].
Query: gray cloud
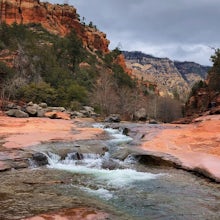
[178, 29]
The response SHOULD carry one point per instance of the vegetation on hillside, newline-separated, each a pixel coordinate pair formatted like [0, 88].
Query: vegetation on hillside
[61, 72]
[214, 73]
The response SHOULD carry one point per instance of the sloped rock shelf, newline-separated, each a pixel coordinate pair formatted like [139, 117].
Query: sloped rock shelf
[98, 180]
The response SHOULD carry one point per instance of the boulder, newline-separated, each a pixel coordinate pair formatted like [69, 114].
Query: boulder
[88, 109]
[17, 113]
[43, 105]
[152, 121]
[12, 106]
[76, 114]
[57, 115]
[41, 112]
[140, 115]
[40, 159]
[30, 104]
[32, 109]
[56, 109]
[76, 156]
[110, 164]
[113, 118]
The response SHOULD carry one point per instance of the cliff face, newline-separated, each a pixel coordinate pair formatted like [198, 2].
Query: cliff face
[172, 78]
[57, 19]
[192, 72]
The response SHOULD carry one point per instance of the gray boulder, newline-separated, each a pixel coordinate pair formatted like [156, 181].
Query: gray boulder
[17, 113]
[43, 105]
[56, 109]
[40, 159]
[113, 118]
[32, 109]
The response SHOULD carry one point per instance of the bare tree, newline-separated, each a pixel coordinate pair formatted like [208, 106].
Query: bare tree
[104, 95]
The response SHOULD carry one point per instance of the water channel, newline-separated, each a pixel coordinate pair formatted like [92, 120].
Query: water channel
[125, 188]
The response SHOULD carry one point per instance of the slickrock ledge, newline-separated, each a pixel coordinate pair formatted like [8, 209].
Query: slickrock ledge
[196, 146]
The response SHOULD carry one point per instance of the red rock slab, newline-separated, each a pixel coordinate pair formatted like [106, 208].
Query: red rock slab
[73, 214]
[197, 145]
[57, 115]
[21, 133]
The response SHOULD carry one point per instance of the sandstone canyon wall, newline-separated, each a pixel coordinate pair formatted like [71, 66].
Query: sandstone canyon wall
[57, 19]
[171, 77]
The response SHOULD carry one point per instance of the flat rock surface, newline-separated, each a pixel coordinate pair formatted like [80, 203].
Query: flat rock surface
[196, 145]
[21, 133]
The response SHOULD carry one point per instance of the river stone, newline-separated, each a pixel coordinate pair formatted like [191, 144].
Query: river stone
[121, 154]
[110, 164]
[41, 112]
[40, 159]
[32, 110]
[56, 109]
[113, 118]
[76, 114]
[17, 113]
[43, 105]
[76, 156]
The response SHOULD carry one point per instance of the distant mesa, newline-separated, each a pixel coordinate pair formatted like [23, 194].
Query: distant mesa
[173, 78]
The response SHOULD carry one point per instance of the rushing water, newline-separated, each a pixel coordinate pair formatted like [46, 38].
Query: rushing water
[140, 191]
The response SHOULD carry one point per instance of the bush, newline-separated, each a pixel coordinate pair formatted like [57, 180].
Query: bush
[40, 92]
[198, 85]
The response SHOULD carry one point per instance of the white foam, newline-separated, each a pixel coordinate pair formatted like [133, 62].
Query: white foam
[101, 192]
[118, 177]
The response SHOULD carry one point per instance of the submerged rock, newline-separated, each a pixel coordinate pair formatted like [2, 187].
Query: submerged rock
[40, 159]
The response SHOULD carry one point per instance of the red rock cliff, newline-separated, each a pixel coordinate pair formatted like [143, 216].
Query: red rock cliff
[58, 19]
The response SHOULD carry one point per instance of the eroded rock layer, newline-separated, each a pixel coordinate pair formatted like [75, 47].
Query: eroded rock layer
[57, 19]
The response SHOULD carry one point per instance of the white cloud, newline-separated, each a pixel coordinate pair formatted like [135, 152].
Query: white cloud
[180, 31]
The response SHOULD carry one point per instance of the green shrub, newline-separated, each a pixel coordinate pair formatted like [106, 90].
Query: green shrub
[40, 92]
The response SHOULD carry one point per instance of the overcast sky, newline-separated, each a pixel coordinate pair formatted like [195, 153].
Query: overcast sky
[178, 29]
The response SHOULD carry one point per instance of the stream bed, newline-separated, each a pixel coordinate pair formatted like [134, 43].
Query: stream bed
[126, 189]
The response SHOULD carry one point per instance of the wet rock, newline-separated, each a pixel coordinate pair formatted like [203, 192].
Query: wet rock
[125, 131]
[76, 156]
[156, 160]
[121, 154]
[115, 118]
[110, 164]
[17, 113]
[40, 159]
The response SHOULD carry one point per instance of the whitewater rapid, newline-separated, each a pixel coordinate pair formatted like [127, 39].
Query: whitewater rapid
[91, 165]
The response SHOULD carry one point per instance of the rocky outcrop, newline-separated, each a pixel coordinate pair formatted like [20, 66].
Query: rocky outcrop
[42, 110]
[192, 72]
[57, 19]
[173, 79]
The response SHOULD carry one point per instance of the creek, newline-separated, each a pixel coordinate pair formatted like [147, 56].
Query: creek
[127, 189]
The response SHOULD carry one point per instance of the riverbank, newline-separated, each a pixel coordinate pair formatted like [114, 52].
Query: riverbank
[31, 186]
[196, 146]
